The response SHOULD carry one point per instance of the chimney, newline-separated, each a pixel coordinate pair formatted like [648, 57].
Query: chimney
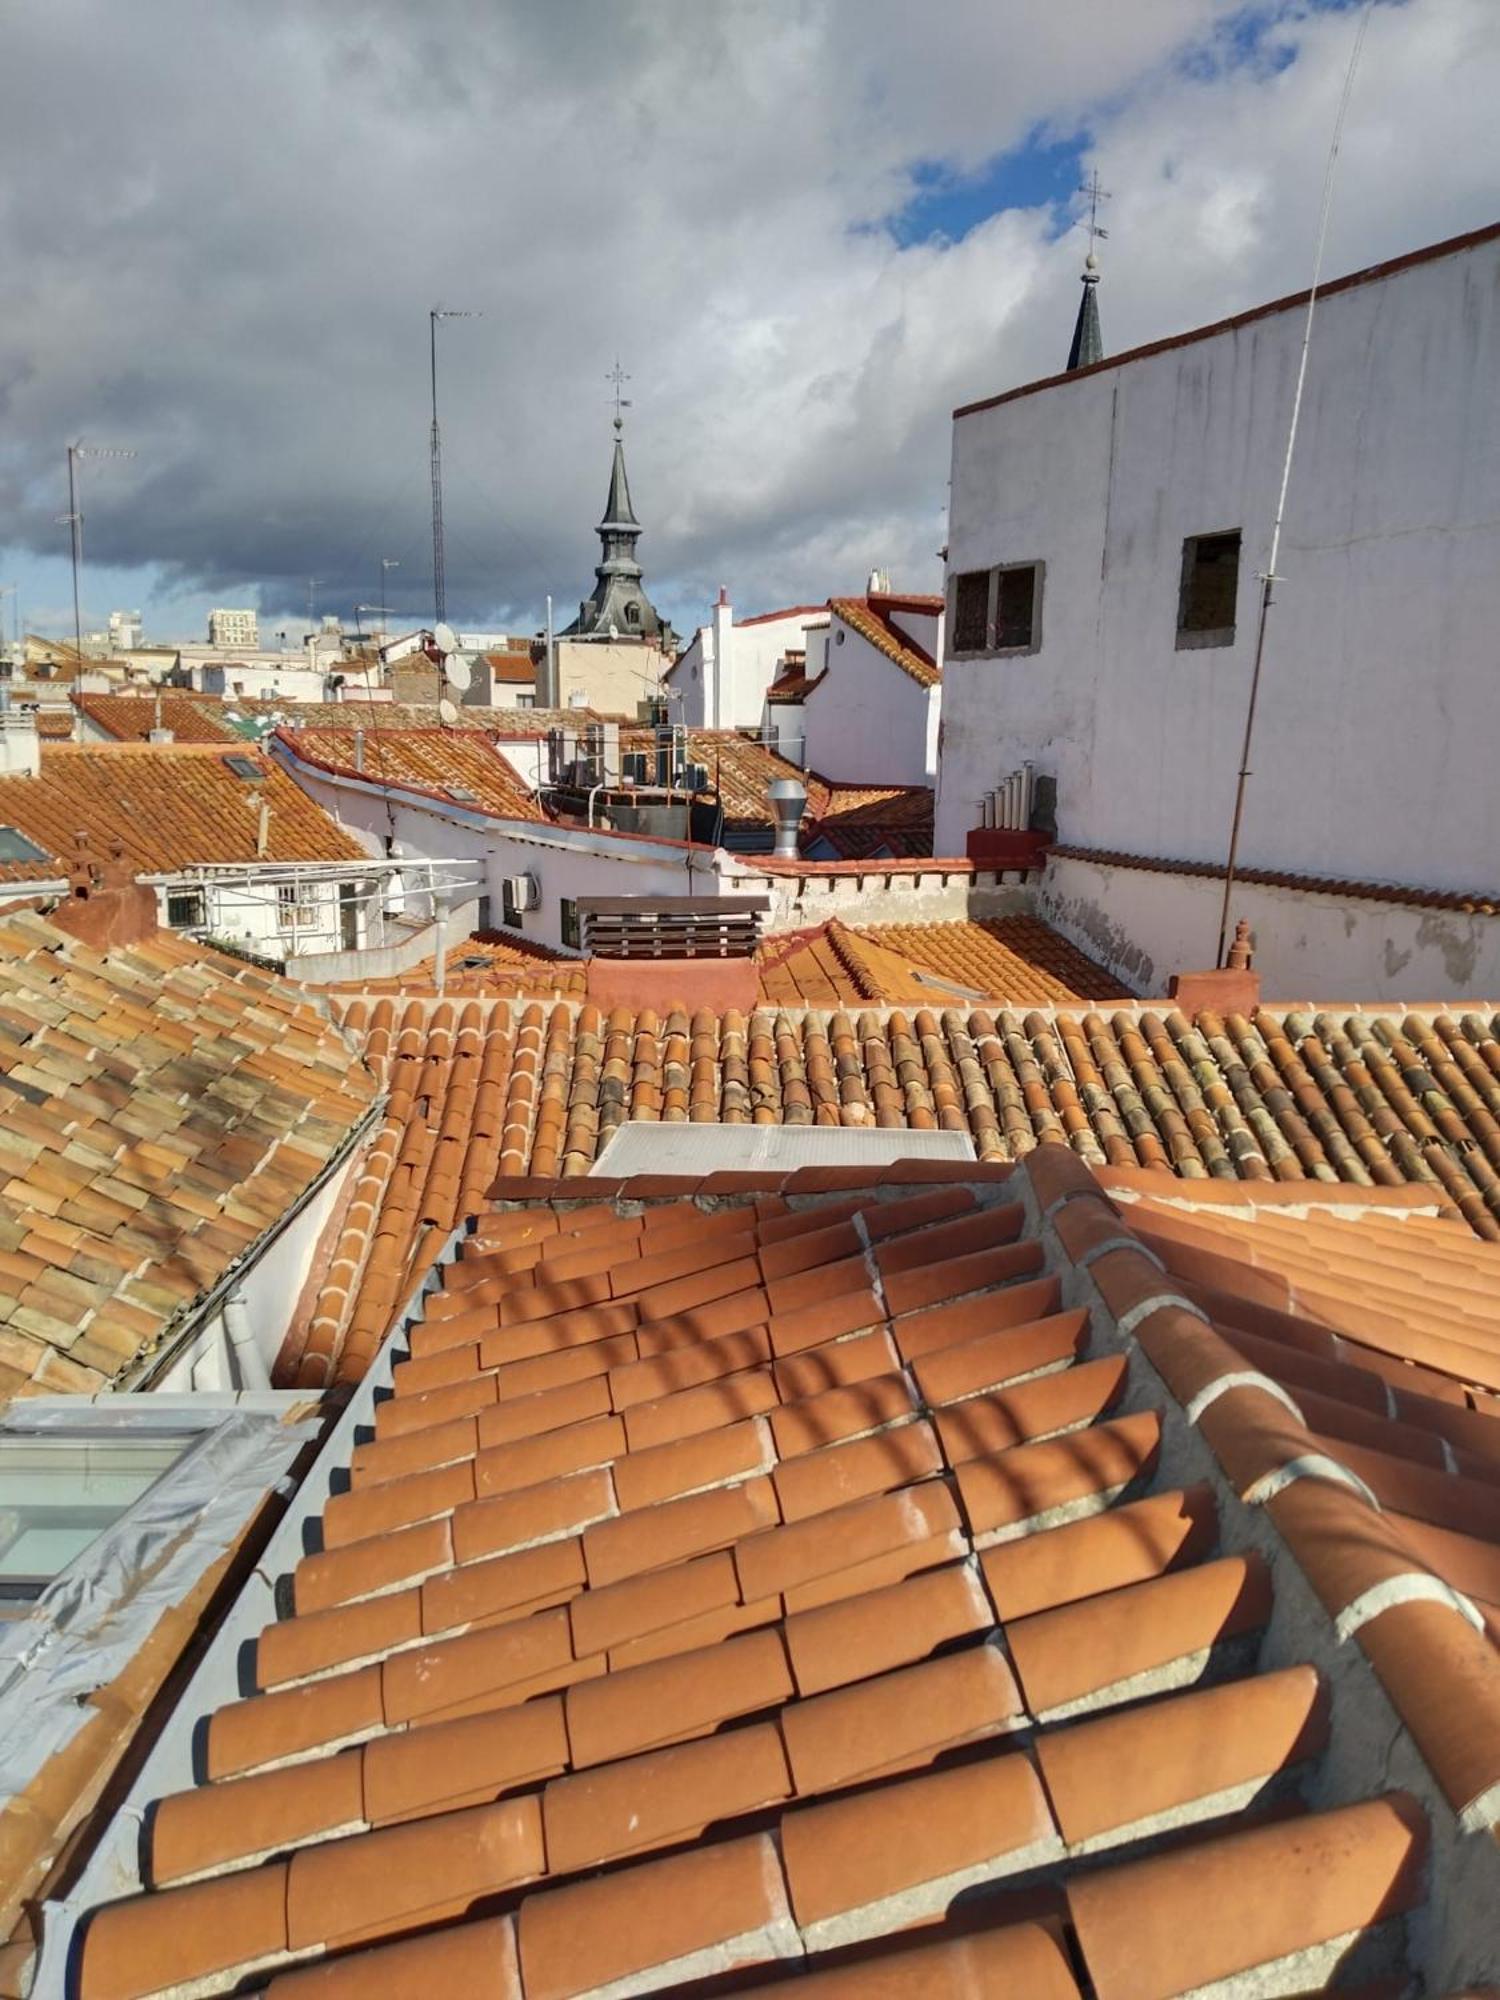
[263, 830]
[158, 734]
[787, 798]
[718, 692]
[1234, 988]
[359, 750]
[20, 743]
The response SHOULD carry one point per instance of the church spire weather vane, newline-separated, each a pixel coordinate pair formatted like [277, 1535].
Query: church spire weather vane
[618, 378]
[1096, 194]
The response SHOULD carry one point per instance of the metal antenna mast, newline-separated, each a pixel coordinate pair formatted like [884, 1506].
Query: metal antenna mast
[1268, 576]
[312, 599]
[439, 578]
[74, 519]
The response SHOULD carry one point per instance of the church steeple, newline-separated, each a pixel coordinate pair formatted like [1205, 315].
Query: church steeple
[619, 604]
[1088, 341]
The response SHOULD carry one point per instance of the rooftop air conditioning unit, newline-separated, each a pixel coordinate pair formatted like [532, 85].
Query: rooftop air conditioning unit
[525, 892]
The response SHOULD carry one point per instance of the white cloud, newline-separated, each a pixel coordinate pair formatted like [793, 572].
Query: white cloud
[222, 228]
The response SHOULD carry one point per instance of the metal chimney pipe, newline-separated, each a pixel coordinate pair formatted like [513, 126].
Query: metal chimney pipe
[787, 798]
[1028, 793]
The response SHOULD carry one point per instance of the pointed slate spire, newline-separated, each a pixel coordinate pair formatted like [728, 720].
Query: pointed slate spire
[618, 512]
[1088, 341]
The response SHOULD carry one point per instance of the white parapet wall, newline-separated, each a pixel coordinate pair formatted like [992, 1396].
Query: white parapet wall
[1146, 922]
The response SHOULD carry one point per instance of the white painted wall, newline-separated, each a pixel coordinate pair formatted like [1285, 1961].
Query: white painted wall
[1145, 926]
[1380, 707]
[872, 894]
[869, 722]
[569, 862]
[287, 683]
[251, 916]
[270, 1289]
[723, 685]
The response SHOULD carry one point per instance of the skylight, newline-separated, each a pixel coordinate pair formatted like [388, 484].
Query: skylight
[14, 846]
[244, 767]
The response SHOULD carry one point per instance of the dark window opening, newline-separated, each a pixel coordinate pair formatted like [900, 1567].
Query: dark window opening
[1210, 587]
[1015, 614]
[971, 611]
[571, 934]
[244, 767]
[510, 909]
[185, 911]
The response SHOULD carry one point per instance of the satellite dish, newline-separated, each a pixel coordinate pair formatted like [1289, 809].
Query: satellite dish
[445, 638]
[448, 710]
[459, 672]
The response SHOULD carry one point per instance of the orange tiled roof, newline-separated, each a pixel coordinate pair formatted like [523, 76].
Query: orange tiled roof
[1391, 1279]
[772, 1582]
[1016, 959]
[160, 1109]
[450, 762]
[490, 964]
[54, 725]
[871, 618]
[480, 1088]
[130, 717]
[173, 807]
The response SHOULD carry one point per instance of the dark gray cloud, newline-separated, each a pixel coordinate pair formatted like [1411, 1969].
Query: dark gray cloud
[221, 228]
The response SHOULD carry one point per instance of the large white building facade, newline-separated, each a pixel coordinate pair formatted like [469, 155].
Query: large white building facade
[1107, 536]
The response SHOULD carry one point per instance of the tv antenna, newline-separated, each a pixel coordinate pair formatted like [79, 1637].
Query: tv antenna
[439, 578]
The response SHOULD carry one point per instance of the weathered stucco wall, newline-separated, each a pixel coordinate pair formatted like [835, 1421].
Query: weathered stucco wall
[1380, 703]
[1145, 925]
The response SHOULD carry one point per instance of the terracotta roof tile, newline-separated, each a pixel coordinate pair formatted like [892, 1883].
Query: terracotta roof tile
[113, 1241]
[170, 808]
[830, 1647]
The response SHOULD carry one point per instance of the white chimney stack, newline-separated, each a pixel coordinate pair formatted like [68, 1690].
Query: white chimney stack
[20, 743]
[719, 692]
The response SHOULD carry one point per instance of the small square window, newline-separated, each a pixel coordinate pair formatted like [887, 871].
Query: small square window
[1016, 608]
[571, 933]
[185, 909]
[1210, 586]
[295, 908]
[971, 611]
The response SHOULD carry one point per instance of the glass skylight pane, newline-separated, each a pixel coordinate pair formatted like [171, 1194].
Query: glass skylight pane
[57, 1495]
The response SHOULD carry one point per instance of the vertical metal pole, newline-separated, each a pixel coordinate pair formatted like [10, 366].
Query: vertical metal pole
[551, 675]
[75, 524]
[439, 578]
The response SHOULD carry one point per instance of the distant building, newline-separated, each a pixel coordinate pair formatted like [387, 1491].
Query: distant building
[234, 629]
[612, 655]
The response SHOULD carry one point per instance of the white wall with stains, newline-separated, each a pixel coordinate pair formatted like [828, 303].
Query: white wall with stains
[1379, 720]
[1145, 925]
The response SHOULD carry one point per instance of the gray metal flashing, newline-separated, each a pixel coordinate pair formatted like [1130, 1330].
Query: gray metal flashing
[643, 1147]
[113, 1869]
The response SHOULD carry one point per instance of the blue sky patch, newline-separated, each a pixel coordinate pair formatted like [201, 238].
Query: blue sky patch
[946, 205]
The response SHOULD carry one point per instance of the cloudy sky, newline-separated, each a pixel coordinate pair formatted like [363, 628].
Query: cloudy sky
[807, 227]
